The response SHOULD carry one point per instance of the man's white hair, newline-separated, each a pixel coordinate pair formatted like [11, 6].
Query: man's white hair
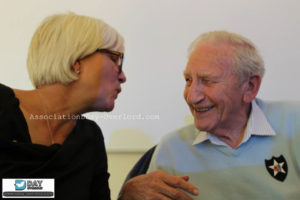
[246, 58]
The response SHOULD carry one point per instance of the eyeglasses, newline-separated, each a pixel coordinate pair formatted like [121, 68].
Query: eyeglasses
[115, 56]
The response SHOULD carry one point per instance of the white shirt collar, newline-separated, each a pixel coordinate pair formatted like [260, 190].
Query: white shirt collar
[256, 125]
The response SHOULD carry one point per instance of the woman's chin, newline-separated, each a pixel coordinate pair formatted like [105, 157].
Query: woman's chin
[109, 107]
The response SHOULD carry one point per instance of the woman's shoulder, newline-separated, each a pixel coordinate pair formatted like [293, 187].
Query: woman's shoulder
[89, 126]
[5, 93]
[7, 98]
[11, 123]
[4, 87]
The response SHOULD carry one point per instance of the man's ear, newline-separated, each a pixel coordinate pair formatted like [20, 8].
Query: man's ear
[251, 87]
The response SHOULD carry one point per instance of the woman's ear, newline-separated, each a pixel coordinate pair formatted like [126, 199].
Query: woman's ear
[76, 67]
[251, 87]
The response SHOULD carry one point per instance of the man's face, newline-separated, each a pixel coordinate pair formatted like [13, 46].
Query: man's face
[212, 90]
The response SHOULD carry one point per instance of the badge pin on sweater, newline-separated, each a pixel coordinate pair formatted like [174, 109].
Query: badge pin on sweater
[277, 167]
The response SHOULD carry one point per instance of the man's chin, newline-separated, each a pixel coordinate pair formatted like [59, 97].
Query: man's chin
[201, 127]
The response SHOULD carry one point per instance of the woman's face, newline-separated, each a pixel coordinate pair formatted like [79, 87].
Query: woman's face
[101, 79]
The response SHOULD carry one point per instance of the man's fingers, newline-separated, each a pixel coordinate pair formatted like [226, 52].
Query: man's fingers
[186, 178]
[158, 196]
[173, 193]
[159, 185]
[179, 182]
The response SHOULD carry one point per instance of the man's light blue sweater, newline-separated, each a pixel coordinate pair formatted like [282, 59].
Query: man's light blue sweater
[221, 172]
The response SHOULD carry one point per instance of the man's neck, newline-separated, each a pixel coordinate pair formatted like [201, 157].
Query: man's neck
[233, 137]
[233, 140]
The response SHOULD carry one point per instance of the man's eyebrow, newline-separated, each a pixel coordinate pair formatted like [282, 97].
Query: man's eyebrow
[205, 75]
[201, 76]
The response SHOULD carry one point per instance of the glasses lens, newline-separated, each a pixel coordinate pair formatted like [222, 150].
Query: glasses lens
[118, 61]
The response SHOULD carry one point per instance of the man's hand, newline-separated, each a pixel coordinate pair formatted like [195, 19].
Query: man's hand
[158, 185]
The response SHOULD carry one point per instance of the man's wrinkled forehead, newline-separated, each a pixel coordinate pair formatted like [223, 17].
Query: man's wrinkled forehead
[210, 54]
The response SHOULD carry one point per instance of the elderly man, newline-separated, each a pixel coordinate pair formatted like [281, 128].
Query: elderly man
[239, 147]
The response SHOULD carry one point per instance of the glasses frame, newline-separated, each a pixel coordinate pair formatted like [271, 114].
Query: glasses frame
[116, 53]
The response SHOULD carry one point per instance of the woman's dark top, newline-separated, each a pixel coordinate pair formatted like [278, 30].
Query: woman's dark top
[79, 165]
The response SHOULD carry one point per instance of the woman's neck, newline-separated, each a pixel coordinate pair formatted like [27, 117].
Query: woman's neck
[56, 107]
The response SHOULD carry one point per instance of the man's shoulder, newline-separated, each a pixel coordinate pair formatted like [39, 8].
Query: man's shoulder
[283, 116]
[172, 147]
[185, 134]
[279, 107]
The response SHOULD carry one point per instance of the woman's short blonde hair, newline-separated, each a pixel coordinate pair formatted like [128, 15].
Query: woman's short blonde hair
[61, 40]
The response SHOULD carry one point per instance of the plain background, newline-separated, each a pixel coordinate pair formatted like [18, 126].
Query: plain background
[157, 35]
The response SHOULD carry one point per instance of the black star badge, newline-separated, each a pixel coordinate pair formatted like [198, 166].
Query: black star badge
[277, 167]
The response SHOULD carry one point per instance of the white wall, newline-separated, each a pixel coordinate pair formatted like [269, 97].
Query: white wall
[157, 34]
[119, 165]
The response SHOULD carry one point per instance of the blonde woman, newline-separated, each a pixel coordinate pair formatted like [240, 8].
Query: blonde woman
[75, 65]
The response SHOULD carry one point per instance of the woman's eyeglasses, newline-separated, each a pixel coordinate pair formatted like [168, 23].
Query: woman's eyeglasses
[116, 57]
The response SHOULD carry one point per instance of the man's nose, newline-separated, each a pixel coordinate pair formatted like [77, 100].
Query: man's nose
[195, 94]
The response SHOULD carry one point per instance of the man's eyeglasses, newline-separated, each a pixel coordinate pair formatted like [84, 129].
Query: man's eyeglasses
[115, 56]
